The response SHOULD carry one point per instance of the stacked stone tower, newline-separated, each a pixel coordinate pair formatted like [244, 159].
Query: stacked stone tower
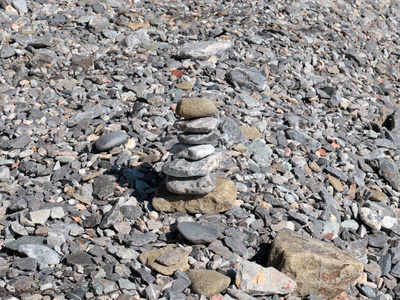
[189, 176]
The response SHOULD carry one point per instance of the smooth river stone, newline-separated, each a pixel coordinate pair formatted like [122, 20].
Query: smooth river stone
[193, 186]
[197, 233]
[196, 152]
[201, 125]
[220, 199]
[184, 168]
[191, 108]
[110, 140]
[198, 138]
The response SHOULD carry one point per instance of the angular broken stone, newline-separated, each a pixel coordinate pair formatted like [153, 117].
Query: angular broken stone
[258, 281]
[249, 78]
[169, 258]
[183, 168]
[149, 259]
[317, 267]
[41, 254]
[192, 185]
[390, 172]
[204, 50]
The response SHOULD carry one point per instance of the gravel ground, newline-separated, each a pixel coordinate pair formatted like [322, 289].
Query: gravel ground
[303, 128]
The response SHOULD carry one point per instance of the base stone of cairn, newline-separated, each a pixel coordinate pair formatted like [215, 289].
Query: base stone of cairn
[191, 185]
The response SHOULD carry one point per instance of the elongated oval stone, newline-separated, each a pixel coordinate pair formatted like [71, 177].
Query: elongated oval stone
[110, 140]
[191, 108]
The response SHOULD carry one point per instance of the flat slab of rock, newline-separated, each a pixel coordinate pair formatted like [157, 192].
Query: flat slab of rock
[41, 254]
[110, 140]
[149, 258]
[221, 198]
[193, 186]
[204, 50]
[198, 138]
[197, 233]
[317, 267]
[391, 173]
[208, 282]
[249, 78]
[184, 168]
[191, 108]
[195, 152]
[258, 281]
[201, 125]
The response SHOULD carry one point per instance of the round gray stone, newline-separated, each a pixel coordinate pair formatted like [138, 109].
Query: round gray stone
[110, 140]
[197, 233]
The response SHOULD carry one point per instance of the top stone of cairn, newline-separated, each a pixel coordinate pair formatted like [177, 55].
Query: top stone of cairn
[190, 108]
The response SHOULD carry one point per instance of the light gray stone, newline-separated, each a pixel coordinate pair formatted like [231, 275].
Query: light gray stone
[183, 168]
[261, 153]
[258, 281]
[40, 216]
[192, 185]
[4, 173]
[42, 254]
[196, 152]
[18, 228]
[200, 125]
[136, 38]
[204, 50]
[370, 218]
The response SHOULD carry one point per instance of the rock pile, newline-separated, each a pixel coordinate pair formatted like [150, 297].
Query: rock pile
[189, 174]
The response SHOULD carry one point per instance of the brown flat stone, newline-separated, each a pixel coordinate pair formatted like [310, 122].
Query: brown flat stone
[220, 199]
[251, 133]
[317, 267]
[149, 259]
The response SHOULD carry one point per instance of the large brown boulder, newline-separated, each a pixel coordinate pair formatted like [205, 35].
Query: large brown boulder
[317, 267]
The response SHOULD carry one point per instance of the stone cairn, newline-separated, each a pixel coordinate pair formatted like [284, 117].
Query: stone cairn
[190, 170]
[190, 173]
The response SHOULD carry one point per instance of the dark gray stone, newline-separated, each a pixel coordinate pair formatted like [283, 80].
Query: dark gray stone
[80, 258]
[390, 172]
[336, 173]
[303, 139]
[112, 216]
[141, 239]
[28, 239]
[103, 187]
[110, 140]
[20, 142]
[197, 233]
[236, 246]
[25, 264]
[250, 78]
